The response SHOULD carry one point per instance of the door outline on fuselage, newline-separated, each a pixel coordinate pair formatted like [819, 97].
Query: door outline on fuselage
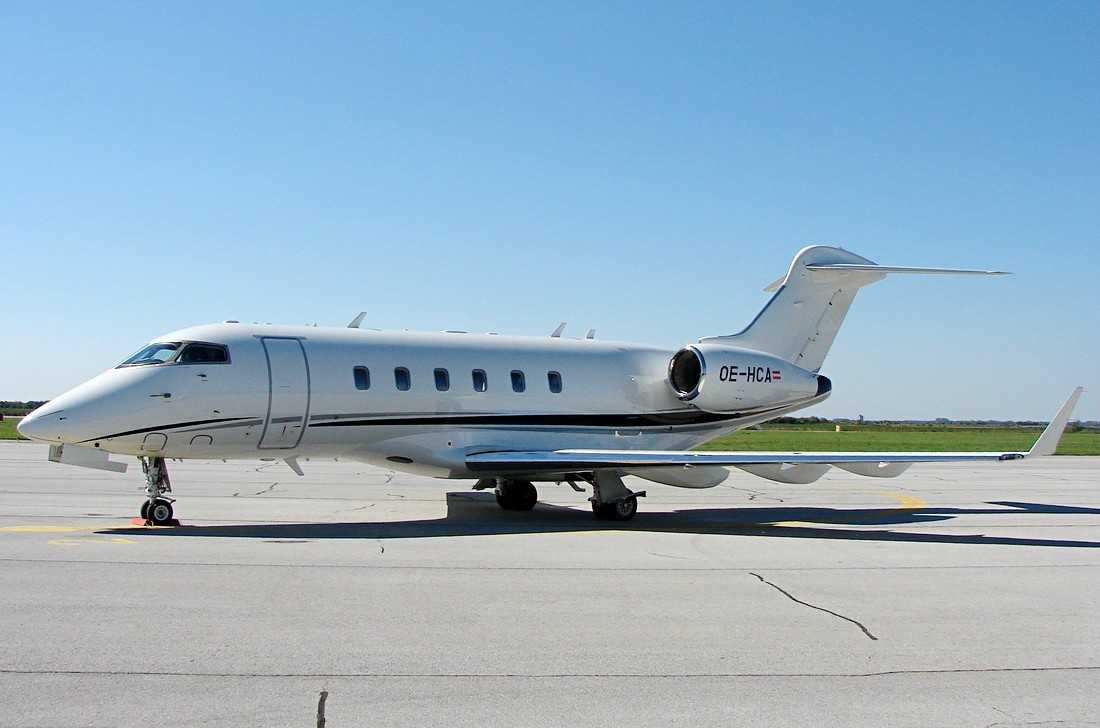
[271, 400]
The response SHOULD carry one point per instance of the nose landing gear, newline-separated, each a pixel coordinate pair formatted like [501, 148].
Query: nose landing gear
[157, 509]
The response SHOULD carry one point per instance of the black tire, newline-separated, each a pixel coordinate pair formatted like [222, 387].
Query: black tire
[522, 495]
[622, 510]
[161, 513]
[145, 510]
[503, 502]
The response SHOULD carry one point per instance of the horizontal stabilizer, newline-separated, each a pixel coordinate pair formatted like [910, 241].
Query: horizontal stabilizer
[849, 267]
[801, 321]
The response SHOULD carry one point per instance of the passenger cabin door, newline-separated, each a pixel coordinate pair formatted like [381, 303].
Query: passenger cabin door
[288, 393]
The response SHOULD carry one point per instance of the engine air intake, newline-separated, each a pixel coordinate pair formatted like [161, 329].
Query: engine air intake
[685, 372]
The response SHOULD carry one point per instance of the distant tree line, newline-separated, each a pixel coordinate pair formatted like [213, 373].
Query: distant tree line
[15, 407]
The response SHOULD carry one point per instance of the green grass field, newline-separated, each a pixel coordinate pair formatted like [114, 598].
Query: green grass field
[7, 429]
[857, 438]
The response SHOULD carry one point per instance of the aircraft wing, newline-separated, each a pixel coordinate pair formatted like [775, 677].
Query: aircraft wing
[784, 466]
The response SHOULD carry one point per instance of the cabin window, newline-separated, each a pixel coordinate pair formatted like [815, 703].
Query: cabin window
[518, 382]
[362, 377]
[402, 379]
[481, 382]
[204, 354]
[555, 382]
[152, 354]
[442, 380]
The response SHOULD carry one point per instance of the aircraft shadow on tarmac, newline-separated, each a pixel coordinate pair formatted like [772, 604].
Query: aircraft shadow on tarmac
[477, 514]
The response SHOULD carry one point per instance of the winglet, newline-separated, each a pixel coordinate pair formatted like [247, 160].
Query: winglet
[1048, 441]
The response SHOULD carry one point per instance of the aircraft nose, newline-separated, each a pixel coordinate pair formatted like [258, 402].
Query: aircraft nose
[42, 426]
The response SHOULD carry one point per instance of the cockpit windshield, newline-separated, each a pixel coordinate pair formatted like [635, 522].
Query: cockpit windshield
[153, 354]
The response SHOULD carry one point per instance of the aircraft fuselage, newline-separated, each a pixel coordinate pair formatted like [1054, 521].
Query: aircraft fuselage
[412, 401]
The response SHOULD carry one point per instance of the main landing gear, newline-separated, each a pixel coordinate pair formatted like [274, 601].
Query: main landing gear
[156, 509]
[611, 500]
[512, 495]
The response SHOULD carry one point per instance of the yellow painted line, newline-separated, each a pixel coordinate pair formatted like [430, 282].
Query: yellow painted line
[908, 503]
[82, 541]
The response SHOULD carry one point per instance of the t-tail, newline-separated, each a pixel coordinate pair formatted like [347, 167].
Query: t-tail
[802, 319]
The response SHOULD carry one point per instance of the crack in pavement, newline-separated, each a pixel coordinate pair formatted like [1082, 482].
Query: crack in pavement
[357, 508]
[790, 596]
[268, 489]
[754, 494]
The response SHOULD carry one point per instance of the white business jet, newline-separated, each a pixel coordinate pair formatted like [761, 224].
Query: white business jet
[503, 410]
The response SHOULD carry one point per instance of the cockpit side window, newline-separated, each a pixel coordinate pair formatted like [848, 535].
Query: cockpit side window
[153, 354]
[204, 354]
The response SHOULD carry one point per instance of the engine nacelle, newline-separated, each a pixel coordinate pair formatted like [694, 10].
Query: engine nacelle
[724, 379]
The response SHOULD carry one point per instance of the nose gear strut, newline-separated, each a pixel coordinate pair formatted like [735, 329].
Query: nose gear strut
[157, 509]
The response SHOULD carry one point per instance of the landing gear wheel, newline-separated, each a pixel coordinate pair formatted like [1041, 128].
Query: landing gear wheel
[156, 508]
[160, 513]
[523, 495]
[622, 510]
[517, 495]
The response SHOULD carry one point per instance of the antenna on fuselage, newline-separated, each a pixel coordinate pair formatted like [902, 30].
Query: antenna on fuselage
[557, 331]
[591, 334]
[358, 320]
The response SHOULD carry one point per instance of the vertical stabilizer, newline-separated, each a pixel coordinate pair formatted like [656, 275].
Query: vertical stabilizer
[802, 319]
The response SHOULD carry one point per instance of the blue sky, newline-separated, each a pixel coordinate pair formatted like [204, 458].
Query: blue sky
[644, 169]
